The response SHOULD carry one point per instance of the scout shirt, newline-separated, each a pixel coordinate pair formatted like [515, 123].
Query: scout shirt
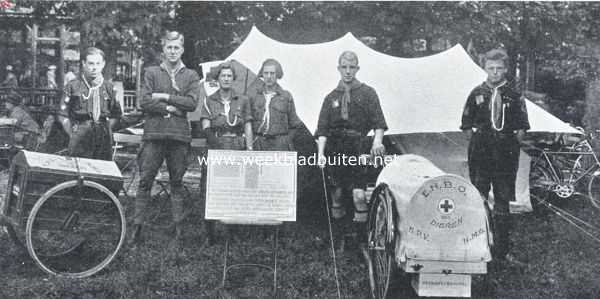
[158, 123]
[477, 111]
[213, 109]
[75, 105]
[364, 112]
[281, 116]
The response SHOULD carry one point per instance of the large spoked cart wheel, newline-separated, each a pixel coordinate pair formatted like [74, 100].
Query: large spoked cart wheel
[75, 229]
[380, 241]
[64, 212]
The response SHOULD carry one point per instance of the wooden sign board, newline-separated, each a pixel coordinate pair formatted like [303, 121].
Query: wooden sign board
[251, 185]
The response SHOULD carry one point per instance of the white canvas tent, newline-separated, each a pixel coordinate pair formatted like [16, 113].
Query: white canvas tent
[422, 98]
[418, 95]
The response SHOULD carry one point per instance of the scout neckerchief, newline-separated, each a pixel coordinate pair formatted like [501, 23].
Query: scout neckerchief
[267, 115]
[227, 108]
[173, 72]
[94, 93]
[497, 108]
[346, 88]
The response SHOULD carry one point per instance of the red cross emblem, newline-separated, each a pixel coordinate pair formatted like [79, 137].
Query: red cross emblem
[446, 206]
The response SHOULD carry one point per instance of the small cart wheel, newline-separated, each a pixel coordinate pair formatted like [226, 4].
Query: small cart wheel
[75, 230]
[381, 237]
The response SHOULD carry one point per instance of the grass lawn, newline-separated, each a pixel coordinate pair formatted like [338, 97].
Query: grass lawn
[562, 263]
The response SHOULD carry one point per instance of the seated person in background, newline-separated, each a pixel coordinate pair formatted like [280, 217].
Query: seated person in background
[27, 130]
[11, 78]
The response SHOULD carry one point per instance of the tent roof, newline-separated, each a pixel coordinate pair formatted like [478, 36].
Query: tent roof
[417, 95]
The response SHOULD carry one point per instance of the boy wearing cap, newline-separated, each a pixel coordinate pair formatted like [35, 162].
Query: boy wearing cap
[90, 109]
[27, 129]
[495, 120]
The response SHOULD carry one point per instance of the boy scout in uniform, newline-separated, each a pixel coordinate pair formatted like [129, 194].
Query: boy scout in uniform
[348, 113]
[169, 92]
[273, 111]
[225, 115]
[226, 119]
[89, 110]
[495, 119]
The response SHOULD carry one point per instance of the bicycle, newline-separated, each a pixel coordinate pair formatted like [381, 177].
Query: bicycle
[565, 172]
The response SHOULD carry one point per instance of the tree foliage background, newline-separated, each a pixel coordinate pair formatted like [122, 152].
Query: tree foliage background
[553, 45]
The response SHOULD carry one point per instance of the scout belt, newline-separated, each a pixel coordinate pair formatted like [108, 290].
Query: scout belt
[346, 132]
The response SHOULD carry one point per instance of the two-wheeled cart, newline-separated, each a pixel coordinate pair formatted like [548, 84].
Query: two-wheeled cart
[64, 211]
[430, 224]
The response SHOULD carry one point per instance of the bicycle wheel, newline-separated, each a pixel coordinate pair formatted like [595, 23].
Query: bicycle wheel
[594, 190]
[381, 237]
[75, 231]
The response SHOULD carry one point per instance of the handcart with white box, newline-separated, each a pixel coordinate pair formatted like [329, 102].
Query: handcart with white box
[64, 212]
[430, 224]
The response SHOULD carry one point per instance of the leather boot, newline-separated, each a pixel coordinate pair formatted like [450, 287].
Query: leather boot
[141, 205]
[502, 226]
[178, 211]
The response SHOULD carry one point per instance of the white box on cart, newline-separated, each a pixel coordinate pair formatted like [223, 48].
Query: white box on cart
[442, 285]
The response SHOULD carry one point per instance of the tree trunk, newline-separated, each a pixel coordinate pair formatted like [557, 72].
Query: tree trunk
[110, 69]
[530, 71]
[591, 117]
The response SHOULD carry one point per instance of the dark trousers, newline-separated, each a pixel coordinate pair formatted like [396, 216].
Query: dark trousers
[91, 140]
[227, 143]
[273, 143]
[493, 163]
[344, 178]
[150, 159]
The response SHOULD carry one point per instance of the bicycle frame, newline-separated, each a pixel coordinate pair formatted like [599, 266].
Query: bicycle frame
[550, 156]
[567, 168]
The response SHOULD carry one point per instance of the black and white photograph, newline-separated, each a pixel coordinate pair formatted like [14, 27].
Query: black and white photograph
[299, 149]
